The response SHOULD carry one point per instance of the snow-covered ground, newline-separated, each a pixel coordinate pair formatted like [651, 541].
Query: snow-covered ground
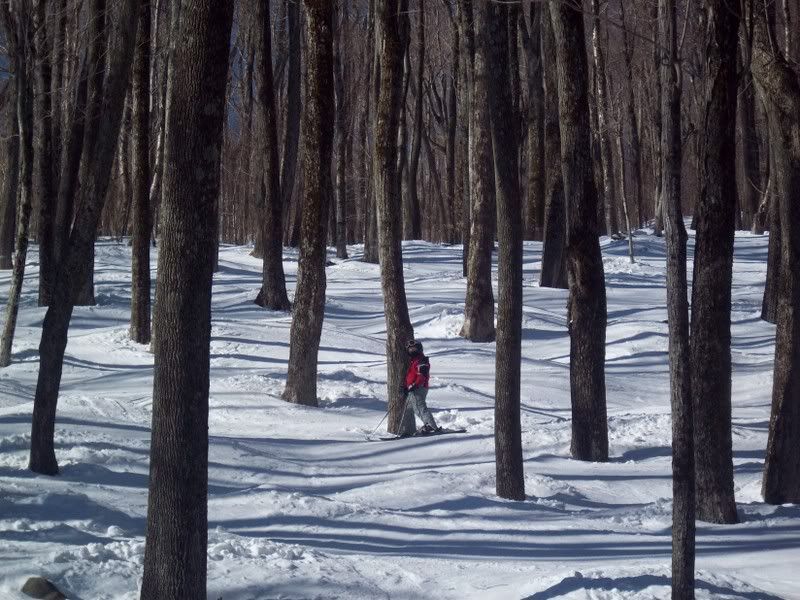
[301, 506]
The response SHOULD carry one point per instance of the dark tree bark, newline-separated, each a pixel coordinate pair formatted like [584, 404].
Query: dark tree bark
[17, 30]
[778, 85]
[371, 251]
[450, 149]
[466, 37]
[390, 33]
[534, 194]
[72, 269]
[683, 480]
[748, 155]
[43, 149]
[491, 44]
[273, 294]
[177, 523]
[291, 132]
[315, 157]
[713, 269]
[634, 144]
[342, 135]
[8, 217]
[554, 248]
[479, 304]
[142, 220]
[603, 133]
[412, 227]
[769, 302]
[98, 34]
[70, 163]
[658, 212]
[587, 301]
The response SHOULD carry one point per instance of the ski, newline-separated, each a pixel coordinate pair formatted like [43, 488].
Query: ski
[417, 434]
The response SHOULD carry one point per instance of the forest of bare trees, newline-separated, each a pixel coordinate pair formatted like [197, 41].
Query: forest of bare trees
[184, 125]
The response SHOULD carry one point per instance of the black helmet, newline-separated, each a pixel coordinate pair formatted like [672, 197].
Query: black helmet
[414, 347]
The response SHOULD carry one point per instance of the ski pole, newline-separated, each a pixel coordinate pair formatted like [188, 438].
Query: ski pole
[405, 406]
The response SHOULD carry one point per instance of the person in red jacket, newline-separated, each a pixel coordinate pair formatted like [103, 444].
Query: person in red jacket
[416, 387]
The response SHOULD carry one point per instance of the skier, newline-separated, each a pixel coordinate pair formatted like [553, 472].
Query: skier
[417, 386]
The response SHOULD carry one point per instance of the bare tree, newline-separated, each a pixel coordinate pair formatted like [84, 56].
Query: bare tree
[587, 300]
[554, 248]
[142, 220]
[17, 28]
[177, 520]
[43, 148]
[294, 99]
[778, 86]
[391, 28]
[683, 480]
[531, 44]
[713, 271]
[315, 158]
[10, 149]
[74, 267]
[273, 287]
[479, 305]
[492, 39]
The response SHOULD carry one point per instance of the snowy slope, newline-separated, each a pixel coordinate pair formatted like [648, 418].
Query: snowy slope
[301, 506]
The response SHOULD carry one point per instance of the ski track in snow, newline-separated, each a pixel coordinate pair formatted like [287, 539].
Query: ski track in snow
[301, 507]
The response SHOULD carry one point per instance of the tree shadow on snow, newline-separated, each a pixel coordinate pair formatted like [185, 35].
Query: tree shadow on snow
[638, 583]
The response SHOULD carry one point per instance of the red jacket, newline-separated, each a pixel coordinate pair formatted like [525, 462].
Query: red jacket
[418, 371]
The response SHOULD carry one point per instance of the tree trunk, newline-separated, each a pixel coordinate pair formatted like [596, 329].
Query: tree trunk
[490, 49]
[342, 135]
[658, 212]
[683, 475]
[43, 149]
[391, 30]
[769, 302]
[749, 183]
[17, 34]
[10, 189]
[273, 294]
[603, 134]
[291, 133]
[554, 248]
[778, 84]
[634, 144]
[466, 37]
[412, 228]
[479, 302]
[84, 295]
[142, 220]
[531, 43]
[587, 300]
[177, 521]
[371, 219]
[316, 154]
[72, 268]
[713, 268]
[452, 127]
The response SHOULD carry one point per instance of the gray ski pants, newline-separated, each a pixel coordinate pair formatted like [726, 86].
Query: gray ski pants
[416, 400]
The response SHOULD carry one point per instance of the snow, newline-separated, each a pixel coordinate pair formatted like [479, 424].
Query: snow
[301, 506]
